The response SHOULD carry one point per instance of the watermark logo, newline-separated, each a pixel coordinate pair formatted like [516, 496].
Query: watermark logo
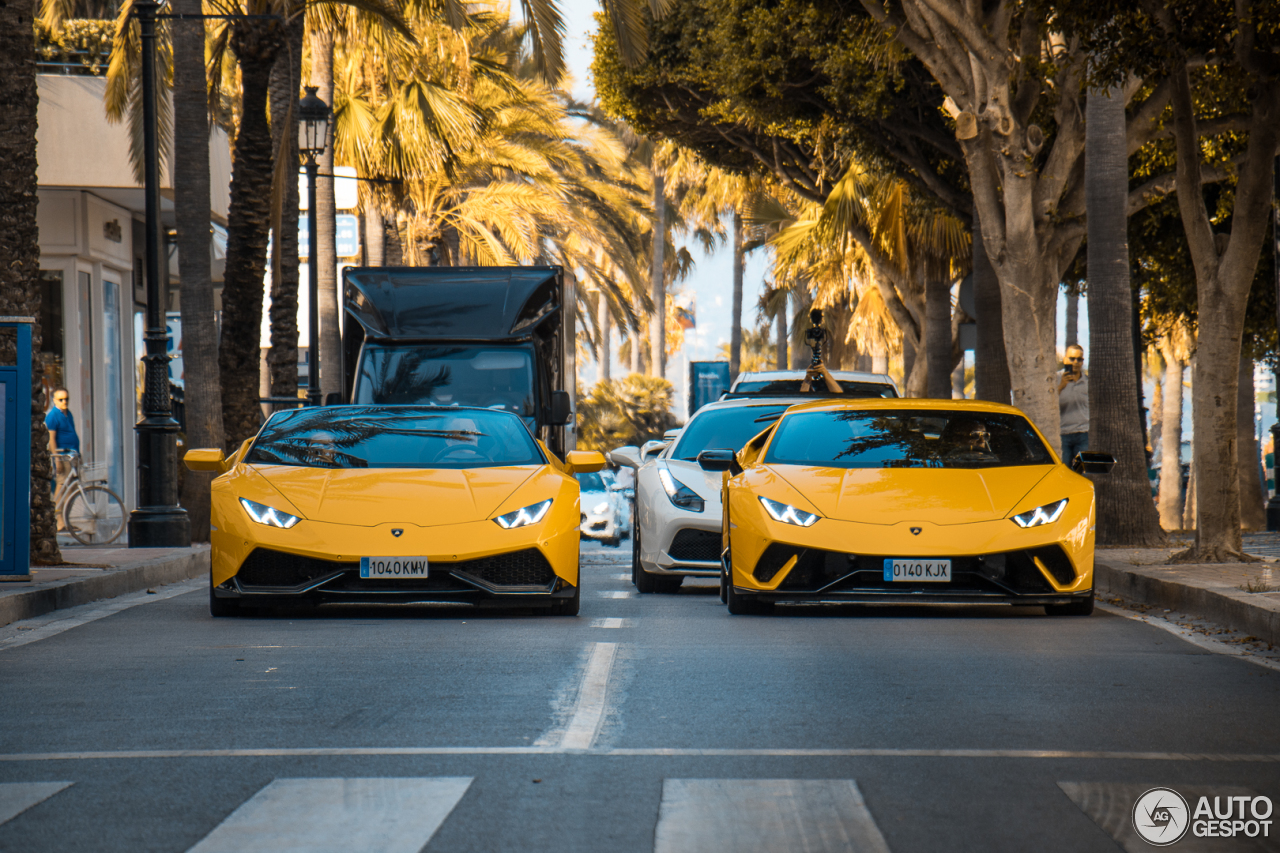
[1160, 816]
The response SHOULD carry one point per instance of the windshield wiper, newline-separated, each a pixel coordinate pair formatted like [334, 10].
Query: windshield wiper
[764, 418]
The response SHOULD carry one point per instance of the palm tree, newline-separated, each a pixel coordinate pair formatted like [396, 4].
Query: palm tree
[286, 78]
[1174, 343]
[1125, 512]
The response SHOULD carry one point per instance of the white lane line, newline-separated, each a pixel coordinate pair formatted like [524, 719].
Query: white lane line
[1192, 637]
[338, 815]
[589, 710]
[52, 624]
[764, 816]
[611, 622]
[621, 577]
[676, 752]
[616, 594]
[17, 797]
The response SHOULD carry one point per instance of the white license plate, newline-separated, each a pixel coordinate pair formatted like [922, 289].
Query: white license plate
[391, 568]
[917, 571]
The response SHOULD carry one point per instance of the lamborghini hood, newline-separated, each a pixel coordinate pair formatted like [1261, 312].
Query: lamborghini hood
[365, 497]
[888, 496]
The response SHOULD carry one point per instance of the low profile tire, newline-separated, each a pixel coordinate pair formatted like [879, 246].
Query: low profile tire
[645, 582]
[743, 605]
[724, 587]
[569, 606]
[1083, 607]
[220, 607]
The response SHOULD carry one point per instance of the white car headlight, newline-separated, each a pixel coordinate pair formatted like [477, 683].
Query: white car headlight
[600, 509]
[680, 494]
[525, 515]
[268, 515]
[788, 514]
[1046, 514]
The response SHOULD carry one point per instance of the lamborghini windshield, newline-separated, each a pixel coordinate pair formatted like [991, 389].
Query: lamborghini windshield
[387, 437]
[907, 439]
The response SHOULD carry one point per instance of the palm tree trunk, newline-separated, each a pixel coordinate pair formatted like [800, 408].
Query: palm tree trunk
[375, 236]
[286, 77]
[1126, 515]
[801, 301]
[658, 328]
[191, 211]
[605, 342]
[1171, 439]
[780, 354]
[735, 319]
[991, 362]
[1253, 515]
[20, 249]
[327, 301]
[937, 338]
[248, 220]
[1073, 318]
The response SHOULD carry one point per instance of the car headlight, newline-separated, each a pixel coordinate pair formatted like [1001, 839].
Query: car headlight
[524, 516]
[268, 515]
[1046, 514]
[788, 514]
[680, 494]
[600, 509]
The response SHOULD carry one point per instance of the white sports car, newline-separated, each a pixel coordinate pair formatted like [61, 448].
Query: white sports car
[677, 523]
[605, 513]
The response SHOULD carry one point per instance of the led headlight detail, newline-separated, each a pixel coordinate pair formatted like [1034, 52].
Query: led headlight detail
[1046, 514]
[788, 514]
[268, 515]
[680, 494]
[524, 516]
[600, 509]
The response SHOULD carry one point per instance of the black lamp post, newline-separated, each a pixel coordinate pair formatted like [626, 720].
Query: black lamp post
[158, 522]
[313, 134]
[1273, 504]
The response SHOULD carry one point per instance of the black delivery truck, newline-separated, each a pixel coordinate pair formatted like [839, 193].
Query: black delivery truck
[493, 337]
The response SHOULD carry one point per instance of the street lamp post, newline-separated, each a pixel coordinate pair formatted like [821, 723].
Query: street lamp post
[158, 522]
[313, 134]
[1273, 504]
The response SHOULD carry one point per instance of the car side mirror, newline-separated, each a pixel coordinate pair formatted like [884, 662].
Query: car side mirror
[561, 407]
[583, 461]
[719, 460]
[333, 398]
[627, 457]
[652, 448]
[1091, 462]
[206, 459]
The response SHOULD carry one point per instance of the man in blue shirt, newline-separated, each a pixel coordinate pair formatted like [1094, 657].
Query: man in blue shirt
[62, 437]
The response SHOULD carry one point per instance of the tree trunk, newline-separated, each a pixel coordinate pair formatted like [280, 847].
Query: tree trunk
[286, 77]
[735, 319]
[780, 347]
[1190, 520]
[658, 328]
[1073, 319]
[20, 250]
[991, 363]
[605, 342]
[248, 220]
[1253, 514]
[375, 236]
[328, 301]
[801, 301]
[915, 368]
[1171, 438]
[392, 244]
[937, 339]
[191, 211]
[1125, 514]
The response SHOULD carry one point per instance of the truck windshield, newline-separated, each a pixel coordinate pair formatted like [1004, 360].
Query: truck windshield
[486, 377]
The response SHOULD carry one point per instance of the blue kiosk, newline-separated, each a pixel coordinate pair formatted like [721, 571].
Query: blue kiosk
[15, 456]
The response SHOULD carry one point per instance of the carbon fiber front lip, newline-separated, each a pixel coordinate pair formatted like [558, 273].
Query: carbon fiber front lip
[918, 597]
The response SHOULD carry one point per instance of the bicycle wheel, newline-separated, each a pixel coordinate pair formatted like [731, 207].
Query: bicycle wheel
[94, 515]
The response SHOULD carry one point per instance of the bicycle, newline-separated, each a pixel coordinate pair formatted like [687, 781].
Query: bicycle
[90, 511]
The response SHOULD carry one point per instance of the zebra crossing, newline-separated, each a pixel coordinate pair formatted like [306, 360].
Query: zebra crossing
[706, 815]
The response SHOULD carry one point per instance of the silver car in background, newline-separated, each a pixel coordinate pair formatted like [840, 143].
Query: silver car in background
[606, 513]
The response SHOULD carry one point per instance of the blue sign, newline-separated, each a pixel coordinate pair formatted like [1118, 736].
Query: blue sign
[15, 455]
[347, 238]
[707, 381]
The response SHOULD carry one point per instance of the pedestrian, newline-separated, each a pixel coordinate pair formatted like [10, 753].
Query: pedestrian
[1073, 404]
[62, 438]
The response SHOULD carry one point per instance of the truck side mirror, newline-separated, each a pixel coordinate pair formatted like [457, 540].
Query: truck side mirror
[561, 407]
[627, 457]
[719, 460]
[1091, 462]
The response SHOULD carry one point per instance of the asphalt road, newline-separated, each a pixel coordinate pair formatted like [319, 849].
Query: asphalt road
[648, 723]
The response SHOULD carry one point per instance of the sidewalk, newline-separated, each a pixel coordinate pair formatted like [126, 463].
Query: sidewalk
[1244, 597]
[97, 573]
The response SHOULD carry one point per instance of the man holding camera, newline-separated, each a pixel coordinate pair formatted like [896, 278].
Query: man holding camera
[1073, 404]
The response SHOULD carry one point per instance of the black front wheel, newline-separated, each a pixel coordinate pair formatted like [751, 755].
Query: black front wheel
[220, 607]
[569, 606]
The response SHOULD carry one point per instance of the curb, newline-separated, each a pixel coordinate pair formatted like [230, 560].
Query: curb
[82, 590]
[1235, 609]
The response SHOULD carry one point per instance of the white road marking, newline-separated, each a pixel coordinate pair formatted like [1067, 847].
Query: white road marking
[764, 816]
[621, 577]
[616, 594]
[338, 815]
[52, 624]
[589, 710]
[678, 752]
[611, 622]
[17, 797]
[1110, 806]
[1193, 637]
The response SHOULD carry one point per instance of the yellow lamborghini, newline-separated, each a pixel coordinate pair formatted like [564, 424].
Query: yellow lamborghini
[883, 500]
[394, 504]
